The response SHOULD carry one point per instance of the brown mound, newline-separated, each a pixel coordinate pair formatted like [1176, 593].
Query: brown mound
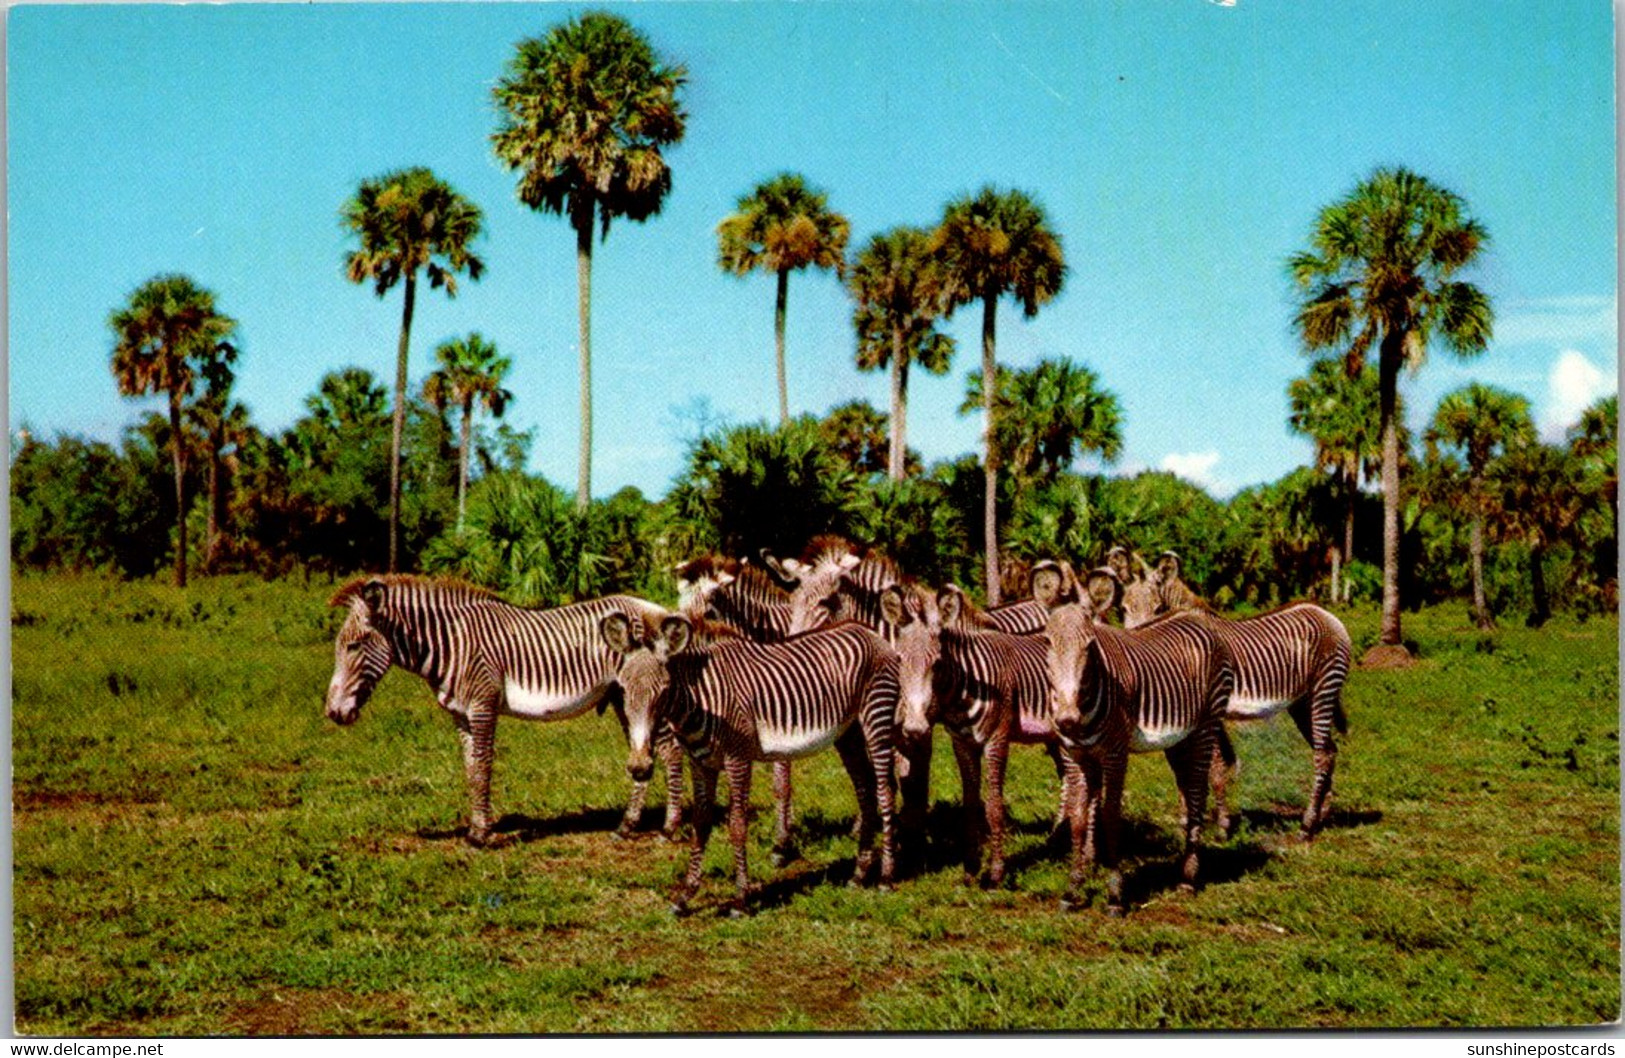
[1387, 656]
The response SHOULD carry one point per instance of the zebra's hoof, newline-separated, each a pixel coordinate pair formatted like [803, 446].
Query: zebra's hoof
[736, 912]
[673, 834]
[784, 855]
[621, 833]
[1114, 910]
[1072, 902]
[1187, 889]
[678, 909]
[481, 839]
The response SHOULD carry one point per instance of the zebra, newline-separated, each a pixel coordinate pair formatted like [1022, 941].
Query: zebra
[712, 588]
[733, 702]
[1293, 658]
[1114, 692]
[484, 657]
[988, 688]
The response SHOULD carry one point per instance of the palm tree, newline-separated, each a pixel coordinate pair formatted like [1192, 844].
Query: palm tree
[781, 227]
[1340, 414]
[895, 291]
[224, 422]
[988, 245]
[585, 111]
[1381, 272]
[1538, 495]
[163, 339]
[1481, 421]
[470, 372]
[1048, 415]
[409, 221]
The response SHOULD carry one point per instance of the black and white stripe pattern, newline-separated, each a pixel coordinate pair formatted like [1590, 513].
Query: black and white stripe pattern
[1293, 659]
[484, 657]
[1115, 692]
[732, 702]
[988, 688]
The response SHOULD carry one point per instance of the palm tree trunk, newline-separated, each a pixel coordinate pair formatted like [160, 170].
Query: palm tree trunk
[217, 441]
[1537, 585]
[1337, 583]
[899, 408]
[583, 226]
[462, 460]
[990, 496]
[1351, 496]
[1475, 548]
[178, 456]
[398, 428]
[1388, 399]
[778, 343]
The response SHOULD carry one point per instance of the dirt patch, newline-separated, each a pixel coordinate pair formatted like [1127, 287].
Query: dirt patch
[1385, 656]
[30, 800]
[306, 1012]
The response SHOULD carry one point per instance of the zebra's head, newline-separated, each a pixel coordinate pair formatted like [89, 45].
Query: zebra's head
[643, 677]
[816, 598]
[1143, 600]
[917, 623]
[1071, 633]
[699, 579]
[361, 653]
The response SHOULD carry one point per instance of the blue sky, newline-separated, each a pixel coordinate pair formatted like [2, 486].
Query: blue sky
[1181, 149]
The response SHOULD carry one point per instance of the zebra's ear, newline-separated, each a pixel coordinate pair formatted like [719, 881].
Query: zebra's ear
[675, 634]
[1168, 565]
[724, 579]
[1105, 590]
[893, 608]
[848, 561]
[1049, 584]
[372, 596]
[616, 630]
[950, 605]
[1146, 572]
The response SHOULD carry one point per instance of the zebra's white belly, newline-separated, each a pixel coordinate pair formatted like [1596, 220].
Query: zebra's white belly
[528, 703]
[1253, 708]
[1153, 739]
[780, 744]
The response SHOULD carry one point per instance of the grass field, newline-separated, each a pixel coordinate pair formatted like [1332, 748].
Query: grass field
[198, 851]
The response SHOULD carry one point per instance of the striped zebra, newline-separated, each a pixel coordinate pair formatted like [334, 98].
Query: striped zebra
[988, 688]
[733, 702]
[1116, 692]
[712, 588]
[1294, 658]
[484, 657]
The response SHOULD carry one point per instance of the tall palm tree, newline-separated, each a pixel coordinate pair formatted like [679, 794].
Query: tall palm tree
[585, 111]
[989, 245]
[1481, 422]
[164, 338]
[1339, 413]
[1381, 272]
[224, 422]
[1048, 415]
[894, 289]
[406, 222]
[781, 227]
[1538, 495]
[470, 373]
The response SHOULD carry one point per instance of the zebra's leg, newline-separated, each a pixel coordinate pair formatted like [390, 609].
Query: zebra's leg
[671, 754]
[997, 756]
[705, 794]
[968, 755]
[1108, 822]
[855, 759]
[1058, 830]
[784, 846]
[1315, 720]
[1083, 816]
[1223, 774]
[477, 731]
[739, 769]
[1192, 764]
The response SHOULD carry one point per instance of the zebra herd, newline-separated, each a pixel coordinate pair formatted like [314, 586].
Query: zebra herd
[840, 648]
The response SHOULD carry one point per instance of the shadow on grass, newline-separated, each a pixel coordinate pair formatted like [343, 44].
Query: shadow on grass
[517, 828]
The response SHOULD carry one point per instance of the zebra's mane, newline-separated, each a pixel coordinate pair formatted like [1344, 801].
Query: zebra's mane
[709, 565]
[450, 587]
[828, 545]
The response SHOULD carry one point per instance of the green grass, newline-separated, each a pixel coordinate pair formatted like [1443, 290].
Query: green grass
[197, 851]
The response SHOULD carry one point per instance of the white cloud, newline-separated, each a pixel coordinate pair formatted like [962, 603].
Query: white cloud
[1195, 467]
[1571, 386]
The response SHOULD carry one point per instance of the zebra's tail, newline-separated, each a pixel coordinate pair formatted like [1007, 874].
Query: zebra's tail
[1340, 719]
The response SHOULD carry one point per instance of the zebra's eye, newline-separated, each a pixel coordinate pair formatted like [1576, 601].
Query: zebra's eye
[353, 647]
